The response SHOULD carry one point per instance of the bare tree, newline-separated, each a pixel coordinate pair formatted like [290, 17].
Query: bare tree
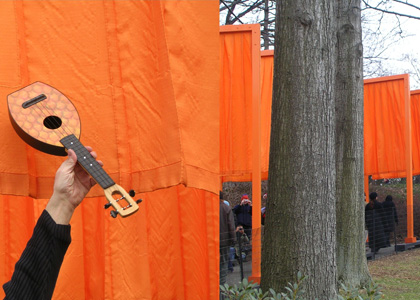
[300, 226]
[395, 7]
[250, 11]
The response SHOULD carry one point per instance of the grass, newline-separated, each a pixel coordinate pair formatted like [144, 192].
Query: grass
[398, 275]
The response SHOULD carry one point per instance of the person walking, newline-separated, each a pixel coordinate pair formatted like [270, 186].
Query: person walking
[374, 223]
[390, 217]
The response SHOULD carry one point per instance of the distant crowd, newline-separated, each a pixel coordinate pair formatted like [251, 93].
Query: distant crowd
[381, 219]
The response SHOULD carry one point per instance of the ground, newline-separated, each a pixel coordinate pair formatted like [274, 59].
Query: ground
[398, 275]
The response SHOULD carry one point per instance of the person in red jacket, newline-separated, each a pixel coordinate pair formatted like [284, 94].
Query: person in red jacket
[36, 272]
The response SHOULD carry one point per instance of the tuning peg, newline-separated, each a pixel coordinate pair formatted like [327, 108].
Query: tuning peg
[138, 201]
[108, 205]
[132, 193]
[114, 213]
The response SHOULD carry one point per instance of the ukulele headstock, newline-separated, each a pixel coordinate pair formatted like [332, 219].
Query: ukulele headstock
[121, 201]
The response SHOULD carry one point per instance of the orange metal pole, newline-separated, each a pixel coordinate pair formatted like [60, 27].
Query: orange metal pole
[256, 156]
[409, 163]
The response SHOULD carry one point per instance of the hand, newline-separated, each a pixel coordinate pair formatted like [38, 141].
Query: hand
[71, 185]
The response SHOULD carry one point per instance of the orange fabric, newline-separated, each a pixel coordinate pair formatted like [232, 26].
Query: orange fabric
[238, 60]
[143, 77]
[384, 127]
[235, 104]
[167, 250]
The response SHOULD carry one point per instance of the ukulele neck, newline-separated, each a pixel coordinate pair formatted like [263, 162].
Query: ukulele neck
[87, 161]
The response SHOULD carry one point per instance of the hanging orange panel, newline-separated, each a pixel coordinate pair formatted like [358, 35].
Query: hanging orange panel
[384, 126]
[415, 129]
[235, 102]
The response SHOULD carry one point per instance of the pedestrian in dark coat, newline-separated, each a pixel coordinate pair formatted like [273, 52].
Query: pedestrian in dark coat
[390, 217]
[373, 218]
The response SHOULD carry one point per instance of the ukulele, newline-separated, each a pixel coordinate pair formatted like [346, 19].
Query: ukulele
[47, 120]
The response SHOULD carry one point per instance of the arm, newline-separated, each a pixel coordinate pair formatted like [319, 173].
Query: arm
[36, 272]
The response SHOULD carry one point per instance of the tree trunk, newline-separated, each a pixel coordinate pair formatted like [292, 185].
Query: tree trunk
[300, 230]
[351, 253]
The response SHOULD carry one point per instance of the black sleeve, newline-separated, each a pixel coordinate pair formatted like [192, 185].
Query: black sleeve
[236, 209]
[36, 271]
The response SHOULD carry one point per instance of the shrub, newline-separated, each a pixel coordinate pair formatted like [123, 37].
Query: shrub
[251, 291]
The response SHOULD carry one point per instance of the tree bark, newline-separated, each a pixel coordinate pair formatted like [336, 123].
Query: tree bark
[300, 230]
[351, 253]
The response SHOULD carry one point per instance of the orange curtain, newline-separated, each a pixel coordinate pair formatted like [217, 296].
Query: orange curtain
[144, 78]
[236, 104]
[415, 129]
[238, 71]
[384, 127]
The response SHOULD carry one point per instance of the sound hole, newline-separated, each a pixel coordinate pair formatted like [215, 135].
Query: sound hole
[52, 122]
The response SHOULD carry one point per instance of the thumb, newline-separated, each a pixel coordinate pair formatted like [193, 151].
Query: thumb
[71, 160]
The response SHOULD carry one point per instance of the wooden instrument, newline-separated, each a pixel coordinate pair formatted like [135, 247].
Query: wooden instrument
[47, 120]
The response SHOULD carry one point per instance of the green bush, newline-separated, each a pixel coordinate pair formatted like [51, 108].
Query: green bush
[251, 291]
[371, 292]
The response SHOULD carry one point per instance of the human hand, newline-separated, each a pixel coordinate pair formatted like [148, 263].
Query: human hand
[246, 202]
[71, 185]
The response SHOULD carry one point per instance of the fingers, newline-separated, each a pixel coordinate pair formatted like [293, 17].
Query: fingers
[93, 153]
[73, 157]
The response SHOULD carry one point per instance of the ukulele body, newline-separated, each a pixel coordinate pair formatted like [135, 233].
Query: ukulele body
[44, 121]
